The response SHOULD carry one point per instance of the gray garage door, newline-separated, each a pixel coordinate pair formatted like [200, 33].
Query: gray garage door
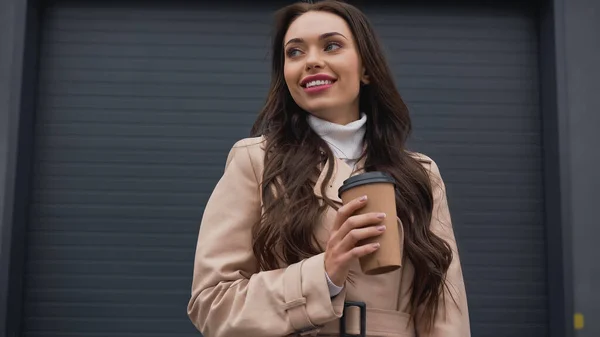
[138, 106]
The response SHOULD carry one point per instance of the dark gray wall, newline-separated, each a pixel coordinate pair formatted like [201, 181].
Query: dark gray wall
[11, 48]
[122, 90]
[580, 24]
[18, 61]
[576, 25]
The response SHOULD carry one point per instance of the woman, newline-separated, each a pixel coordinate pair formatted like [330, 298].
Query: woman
[277, 252]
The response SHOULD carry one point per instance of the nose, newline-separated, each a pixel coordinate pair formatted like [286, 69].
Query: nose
[313, 60]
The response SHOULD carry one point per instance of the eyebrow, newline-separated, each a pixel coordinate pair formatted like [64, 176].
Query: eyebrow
[321, 37]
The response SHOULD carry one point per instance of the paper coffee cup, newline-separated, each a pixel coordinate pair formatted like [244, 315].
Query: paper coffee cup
[379, 188]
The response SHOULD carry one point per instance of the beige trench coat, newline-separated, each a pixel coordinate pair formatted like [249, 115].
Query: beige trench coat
[231, 298]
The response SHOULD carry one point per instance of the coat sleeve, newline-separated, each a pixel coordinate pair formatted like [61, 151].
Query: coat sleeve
[230, 297]
[452, 319]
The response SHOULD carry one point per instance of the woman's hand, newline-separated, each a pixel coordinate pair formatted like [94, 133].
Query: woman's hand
[347, 231]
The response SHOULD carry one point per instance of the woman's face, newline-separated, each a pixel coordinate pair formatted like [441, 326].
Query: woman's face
[322, 68]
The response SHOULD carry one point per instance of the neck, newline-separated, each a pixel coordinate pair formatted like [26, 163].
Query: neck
[340, 117]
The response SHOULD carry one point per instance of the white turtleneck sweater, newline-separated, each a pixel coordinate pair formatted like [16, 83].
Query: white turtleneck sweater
[346, 143]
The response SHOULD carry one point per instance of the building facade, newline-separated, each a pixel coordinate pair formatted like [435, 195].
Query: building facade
[116, 118]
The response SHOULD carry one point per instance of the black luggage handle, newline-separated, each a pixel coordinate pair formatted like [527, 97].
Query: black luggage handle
[363, 319]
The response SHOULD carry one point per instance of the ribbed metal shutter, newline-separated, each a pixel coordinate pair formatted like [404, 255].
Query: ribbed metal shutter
[138, 105]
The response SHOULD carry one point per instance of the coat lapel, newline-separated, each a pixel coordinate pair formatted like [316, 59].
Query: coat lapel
[341, 172]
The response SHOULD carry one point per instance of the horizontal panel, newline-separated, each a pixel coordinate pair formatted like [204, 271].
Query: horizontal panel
[144, 117]
[107, 325]
[190, 333]
[106, 102]
[259, 24]
[519, 51]
[536, 261]
[512, 329]
[530, 284]
[157, 40]
[497, 235]
[480, 179]
[96, 311]
[140, 267]
[121, 198]
[508, 301]
[172, 212]
[449, 15]
[157, 240]
[131, 11]
[482, 137]
[155, 90]
[141, 297]
[131, 224]
[132, 169]
[512, 281]
[217, 64]
[468, 161]
[110, 282]
[529, 251]
[495, 205]
[137, 185]
[527, 315]
[43, 253]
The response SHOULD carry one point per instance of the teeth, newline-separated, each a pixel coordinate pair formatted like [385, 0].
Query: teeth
[316, 83]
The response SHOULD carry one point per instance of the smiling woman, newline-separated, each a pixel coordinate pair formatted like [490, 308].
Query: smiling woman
[292, 264]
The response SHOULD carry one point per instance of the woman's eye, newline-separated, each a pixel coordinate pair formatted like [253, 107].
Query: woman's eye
[331, 46]
[293, 52]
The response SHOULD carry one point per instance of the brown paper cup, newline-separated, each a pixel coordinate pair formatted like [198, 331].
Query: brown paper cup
[380, 191]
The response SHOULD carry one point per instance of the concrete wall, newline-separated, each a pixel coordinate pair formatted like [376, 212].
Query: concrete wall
[581, 28]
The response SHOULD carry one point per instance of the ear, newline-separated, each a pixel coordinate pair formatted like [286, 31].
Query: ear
[364, 78]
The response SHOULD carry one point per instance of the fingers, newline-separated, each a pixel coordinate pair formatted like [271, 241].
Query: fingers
[347, 210]
[359, 221]
[360, 251]
[358, 234]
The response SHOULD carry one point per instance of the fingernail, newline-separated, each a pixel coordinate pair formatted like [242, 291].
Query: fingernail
[381, 215]
[381, 228]
[376, 245]
[363, 198]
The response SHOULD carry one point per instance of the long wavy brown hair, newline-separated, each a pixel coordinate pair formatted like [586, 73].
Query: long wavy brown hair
[293, 154]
